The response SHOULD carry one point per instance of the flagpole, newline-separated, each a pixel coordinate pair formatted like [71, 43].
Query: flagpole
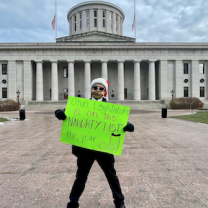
[56, 16]
[135, 18]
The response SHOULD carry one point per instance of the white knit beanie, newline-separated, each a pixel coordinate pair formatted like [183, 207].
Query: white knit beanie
[104, 82]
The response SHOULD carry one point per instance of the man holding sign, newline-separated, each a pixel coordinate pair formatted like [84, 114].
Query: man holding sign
[96, 131]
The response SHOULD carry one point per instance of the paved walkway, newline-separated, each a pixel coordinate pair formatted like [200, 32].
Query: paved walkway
[164, 163]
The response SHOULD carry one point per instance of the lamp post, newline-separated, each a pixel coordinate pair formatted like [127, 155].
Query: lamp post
[18, 94]
[172, 91]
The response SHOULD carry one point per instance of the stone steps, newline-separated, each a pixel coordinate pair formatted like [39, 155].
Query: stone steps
[134, 105]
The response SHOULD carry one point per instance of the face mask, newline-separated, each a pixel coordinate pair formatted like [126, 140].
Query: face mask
[97, 94]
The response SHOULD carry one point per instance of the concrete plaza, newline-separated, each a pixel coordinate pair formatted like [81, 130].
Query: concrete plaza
[164, 163]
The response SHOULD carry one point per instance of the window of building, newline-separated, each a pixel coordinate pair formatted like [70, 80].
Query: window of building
[75, 24]
[185, 68]
[185, 91]
[103, 19]
[125, 92]
[95, 18]
[4, 68]
[80, 15]
[88, 14]
[87, 18]
[80, 24]
[65, 72]
[95, 22]
[4, 92]
[95, 13]
[201, 91]
[88, 23]
[201, 68]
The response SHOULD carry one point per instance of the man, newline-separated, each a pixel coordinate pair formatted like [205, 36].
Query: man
[86, 157]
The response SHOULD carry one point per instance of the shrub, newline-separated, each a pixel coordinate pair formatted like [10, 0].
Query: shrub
[9, 105]
[186, 103]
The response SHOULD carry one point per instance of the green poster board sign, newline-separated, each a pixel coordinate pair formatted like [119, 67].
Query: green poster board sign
[95, 125]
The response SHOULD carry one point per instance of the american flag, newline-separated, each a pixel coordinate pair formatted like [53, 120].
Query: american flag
[54, 22]
[133, 23]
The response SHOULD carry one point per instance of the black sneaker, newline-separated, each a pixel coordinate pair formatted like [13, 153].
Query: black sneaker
[69, 205]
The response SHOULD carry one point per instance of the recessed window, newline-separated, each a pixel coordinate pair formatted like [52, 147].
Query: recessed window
[4, 92]
[65, 72]
[103, 14]
[75, 24]
[185, 91]
[125, 92]
[103, 22]
[201, 68]
[201, 91]
[95, 22]
[80, 24]
[80, 15]
[88, 23]
[88, 14]
[185, 68]
[4, 68]
[95, 13]
[87, 18]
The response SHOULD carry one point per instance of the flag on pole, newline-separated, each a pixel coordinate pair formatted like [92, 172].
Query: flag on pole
[54, 22]
[133, 23]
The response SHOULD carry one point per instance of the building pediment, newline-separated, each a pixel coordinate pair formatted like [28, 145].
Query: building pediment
[95, 36]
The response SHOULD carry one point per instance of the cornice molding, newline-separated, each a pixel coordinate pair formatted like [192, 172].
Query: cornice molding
[93, 45]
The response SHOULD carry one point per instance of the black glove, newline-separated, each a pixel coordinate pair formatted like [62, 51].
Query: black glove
[60, 114]
[129, 127]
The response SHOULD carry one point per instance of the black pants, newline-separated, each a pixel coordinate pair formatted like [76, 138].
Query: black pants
[84, 164]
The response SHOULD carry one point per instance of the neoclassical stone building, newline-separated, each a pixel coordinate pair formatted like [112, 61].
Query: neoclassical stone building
[95, 48]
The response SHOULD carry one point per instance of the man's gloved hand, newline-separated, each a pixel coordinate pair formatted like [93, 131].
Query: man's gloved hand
[129, 127]
[59, 113]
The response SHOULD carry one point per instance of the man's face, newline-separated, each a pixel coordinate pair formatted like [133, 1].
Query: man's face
[98, 91]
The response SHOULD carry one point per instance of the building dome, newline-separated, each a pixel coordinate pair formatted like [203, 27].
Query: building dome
[95, 16]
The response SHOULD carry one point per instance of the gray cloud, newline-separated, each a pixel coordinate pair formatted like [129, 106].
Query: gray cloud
[157, 21]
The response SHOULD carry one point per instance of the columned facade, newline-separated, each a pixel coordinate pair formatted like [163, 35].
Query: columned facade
[54, 81]
[39, 81]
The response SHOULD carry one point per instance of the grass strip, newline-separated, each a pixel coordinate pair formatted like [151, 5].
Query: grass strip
[3, 119]
[200, 117]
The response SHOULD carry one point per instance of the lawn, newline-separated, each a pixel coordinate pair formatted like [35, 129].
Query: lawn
[3, 119]
[201, 117]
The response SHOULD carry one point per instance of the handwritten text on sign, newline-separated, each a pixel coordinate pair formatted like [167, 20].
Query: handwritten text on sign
[95, 125]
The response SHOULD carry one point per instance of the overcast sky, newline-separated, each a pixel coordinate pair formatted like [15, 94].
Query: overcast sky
[157, 20]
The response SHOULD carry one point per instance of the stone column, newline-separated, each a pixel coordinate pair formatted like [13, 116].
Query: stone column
[71, 89]
[194, 79]
[54, 81]
[178, 79]
[27, 80]
[163, 80]
[87, 91]
[151, 80]
[120, 80]
[137, 92]
[104, 70]
[12, 81]
[39, 81]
